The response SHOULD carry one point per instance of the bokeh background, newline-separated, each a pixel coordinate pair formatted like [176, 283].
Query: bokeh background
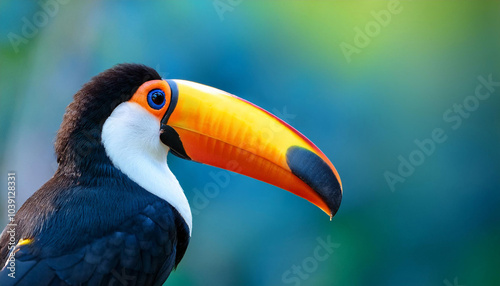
[441, 226]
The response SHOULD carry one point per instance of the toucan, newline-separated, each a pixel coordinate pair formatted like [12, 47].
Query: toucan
[114, 213]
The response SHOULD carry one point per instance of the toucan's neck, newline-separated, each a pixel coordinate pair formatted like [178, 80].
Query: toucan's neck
[84, 154]
[78, 145]
[131, 139]
[127, 144]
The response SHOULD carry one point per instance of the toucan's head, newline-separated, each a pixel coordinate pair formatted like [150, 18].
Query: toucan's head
[136, 117]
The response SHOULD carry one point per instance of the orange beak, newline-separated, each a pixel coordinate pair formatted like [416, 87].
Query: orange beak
[216, 128]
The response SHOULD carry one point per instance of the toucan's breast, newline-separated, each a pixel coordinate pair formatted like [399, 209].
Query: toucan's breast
[92, 229]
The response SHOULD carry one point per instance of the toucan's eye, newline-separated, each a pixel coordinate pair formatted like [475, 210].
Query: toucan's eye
[156, 98]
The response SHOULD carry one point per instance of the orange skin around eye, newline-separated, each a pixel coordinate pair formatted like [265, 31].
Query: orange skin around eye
[141, 96]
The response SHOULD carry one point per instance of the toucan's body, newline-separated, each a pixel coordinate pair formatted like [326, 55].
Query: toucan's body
[113, 213]
[138, 237]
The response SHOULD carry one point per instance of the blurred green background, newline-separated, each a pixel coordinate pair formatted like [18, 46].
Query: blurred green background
[407, 67]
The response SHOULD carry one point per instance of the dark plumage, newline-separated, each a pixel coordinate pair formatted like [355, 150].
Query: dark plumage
[90, 224]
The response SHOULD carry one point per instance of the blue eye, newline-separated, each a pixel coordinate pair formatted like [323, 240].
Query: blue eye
[156, 98]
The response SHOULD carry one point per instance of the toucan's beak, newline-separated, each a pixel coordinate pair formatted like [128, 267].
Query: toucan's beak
[216, 128]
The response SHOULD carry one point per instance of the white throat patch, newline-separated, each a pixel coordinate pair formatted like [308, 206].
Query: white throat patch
[131, 138]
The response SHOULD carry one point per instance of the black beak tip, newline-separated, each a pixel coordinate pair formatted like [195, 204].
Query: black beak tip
[316, 173]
